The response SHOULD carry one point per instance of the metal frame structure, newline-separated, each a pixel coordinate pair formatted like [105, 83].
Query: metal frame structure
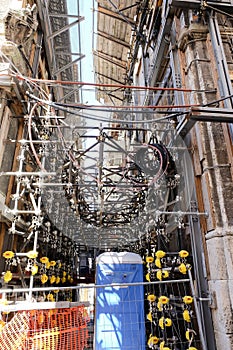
[56, 24]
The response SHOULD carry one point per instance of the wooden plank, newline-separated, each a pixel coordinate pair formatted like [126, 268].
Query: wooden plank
[2, 235]
[115, 15]
[15, 163]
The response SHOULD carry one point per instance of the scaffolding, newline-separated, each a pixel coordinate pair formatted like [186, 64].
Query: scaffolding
[125, 183]
[118, 187]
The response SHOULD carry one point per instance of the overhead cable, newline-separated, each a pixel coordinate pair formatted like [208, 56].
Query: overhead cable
[66, 108]
[81, 83]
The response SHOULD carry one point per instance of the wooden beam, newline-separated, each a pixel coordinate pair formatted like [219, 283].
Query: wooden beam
[114, 14]
[110, 78]
[15, 163]
[2, 236]
[43, 73]
[113, 38]
[110, 59]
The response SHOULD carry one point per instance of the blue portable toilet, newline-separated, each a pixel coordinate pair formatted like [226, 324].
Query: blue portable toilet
[119, 308]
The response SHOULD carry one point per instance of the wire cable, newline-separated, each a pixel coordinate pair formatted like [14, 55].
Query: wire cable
[67, 110]
[81, 83]
[16, 72]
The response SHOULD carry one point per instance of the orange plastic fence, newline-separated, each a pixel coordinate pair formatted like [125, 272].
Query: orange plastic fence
[14, 333]
[57, 329]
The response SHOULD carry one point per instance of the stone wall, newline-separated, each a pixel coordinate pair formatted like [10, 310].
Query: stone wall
[215, 179]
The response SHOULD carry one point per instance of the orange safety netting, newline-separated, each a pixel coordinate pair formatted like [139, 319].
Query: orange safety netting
[56, 329]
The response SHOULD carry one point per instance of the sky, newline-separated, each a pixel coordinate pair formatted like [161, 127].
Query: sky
[87, 29]
[85, 46]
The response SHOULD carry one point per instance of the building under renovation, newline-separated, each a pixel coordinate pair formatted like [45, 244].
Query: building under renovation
[116, 190]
